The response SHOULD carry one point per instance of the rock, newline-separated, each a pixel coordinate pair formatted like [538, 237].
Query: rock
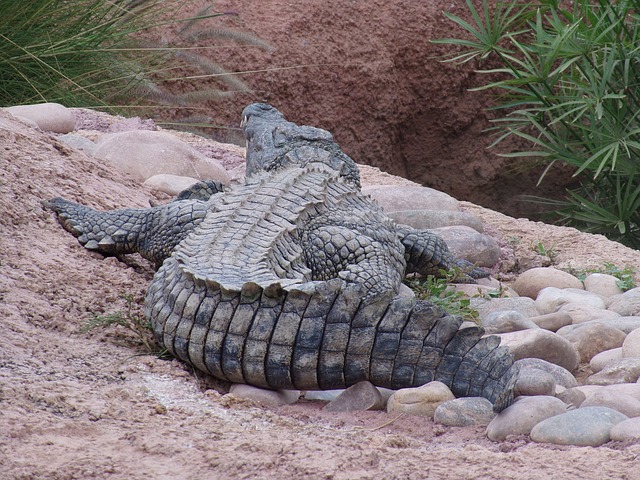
[487, 291]
[50, 117]
[524, 305]
[624, 370]
[322, 395]
[462, 412]
[620, 402]
[530, 282]
[421, 400]
[550, 299]
[170, 184]
[361, 396]
[573, 397]
[425, 219]
[592, 338]
[561, 376]
[588, 389]
[532, 381]
[632, 389]
[263, 396]
[144, 153]
[626, 430]
[523, 415]
[602, 284]
[464, 242]
[580, 313]
[631, 345]
[78, 142]
[626, 304]
[585, 427]
[552, 321]
[398, 198]
[502, 321]
[626, 324]
[598, 362]
[542, 344]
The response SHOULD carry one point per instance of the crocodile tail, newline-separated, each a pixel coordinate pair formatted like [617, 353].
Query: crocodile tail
[322, 335]
[152, 232]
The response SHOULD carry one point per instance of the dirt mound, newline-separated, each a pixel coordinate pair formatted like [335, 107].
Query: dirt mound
[367, 72]
[94, 405]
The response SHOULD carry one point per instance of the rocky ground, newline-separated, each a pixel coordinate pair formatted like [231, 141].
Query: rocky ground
[96, 405]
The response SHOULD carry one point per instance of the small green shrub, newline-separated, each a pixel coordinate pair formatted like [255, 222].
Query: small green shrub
[626, 276]
[131, 321]
[568, 82]
[438, 291]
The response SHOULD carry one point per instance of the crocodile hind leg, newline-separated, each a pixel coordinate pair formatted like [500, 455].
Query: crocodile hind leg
[152, 232]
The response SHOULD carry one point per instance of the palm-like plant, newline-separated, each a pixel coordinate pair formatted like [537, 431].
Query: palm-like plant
[569, 84]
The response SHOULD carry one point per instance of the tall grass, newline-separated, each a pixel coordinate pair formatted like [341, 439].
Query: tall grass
[569, 85]
[112, 54]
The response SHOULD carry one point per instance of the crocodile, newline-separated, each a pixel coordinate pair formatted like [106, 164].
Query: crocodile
[291, 279]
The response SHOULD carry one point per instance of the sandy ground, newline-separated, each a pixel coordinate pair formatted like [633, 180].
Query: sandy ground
[94, 405]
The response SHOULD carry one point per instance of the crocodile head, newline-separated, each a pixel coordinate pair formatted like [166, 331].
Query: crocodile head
[273, 142]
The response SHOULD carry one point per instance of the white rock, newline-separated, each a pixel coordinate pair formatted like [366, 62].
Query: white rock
[533, 381]
[620, 402]
[561, 376]
[425, 219]
[589, 426]
[393, 198]
[542, 344]
[592, 338]
[144, 153]
[550, 299]
[78, 142]
[524, 305]
[502, 321]
[263, 396]
[632, 389]
[602, 284]
[461, 412]
[170, 184]
[523, 415]
[626, 324]
[552, 321]
[465, 242]
[626, 304]
[623, 370]
[473, 289]
[50, 117]
[530, 282]
[598, 362]
[626, 430]
[421, 400]
[581, 313]
[631, 345]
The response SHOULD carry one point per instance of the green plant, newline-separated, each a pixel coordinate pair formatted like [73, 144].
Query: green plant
[439, 291]
[131, 321]
[543, 250]
[112, 54]
[568, 78]
[626, 276]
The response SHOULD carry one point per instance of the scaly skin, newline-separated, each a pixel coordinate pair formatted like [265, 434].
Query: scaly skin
[291, 280]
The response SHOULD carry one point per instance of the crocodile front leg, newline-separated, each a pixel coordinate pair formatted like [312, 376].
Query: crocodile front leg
[427, 254]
